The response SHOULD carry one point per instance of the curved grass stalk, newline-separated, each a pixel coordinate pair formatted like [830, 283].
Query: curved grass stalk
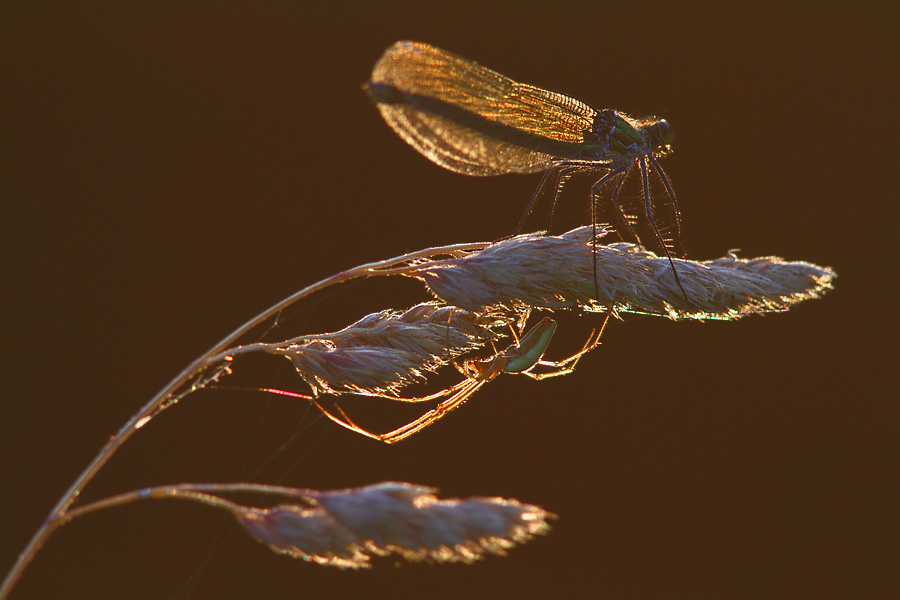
[195, 377]
[345, 528]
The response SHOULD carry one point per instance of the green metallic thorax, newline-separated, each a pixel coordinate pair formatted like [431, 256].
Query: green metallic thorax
[632, 138]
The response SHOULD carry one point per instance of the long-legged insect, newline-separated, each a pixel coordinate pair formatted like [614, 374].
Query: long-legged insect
[472, 120]
[521, 357]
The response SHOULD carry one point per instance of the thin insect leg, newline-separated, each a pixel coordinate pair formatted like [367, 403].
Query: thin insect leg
[555, 171]
[410, 428]
[502, 362]
[465, 367]
[439, 394]
[678, 246]
[560, 178]
[514, 333]
[603, 180]
[583, 168]
[563, 367]
[458, 394]
[648, 208]
[401, 433]
[614, 200]
[594, 242]
[430, 397]
[535, 340]
[554, 174]
[567, 365]
[347, 422]
[523, 318]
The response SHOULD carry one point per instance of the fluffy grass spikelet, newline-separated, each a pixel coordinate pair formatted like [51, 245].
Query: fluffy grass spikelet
[346, 528]
[557, 272]
[387, 350]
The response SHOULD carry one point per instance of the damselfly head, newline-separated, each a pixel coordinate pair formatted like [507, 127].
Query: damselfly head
[662, 134]
[634, 137]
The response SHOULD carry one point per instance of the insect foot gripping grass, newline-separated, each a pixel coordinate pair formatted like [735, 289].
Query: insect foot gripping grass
[485, 292]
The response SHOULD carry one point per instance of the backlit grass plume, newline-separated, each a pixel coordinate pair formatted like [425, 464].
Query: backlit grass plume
[554, 272]
[386, 350]
[346, 528]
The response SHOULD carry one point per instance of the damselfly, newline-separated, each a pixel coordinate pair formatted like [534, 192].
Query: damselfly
[472, 120]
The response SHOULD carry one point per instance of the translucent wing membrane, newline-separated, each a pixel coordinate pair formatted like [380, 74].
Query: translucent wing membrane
[472, 120]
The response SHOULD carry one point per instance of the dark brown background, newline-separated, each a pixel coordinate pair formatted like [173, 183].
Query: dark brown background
[171, 170]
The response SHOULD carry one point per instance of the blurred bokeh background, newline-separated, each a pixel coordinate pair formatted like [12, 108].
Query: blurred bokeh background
[171, 169]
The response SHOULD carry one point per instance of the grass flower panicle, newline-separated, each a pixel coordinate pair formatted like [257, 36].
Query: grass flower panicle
[384, 351]
[557, 272]
[344, 528]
